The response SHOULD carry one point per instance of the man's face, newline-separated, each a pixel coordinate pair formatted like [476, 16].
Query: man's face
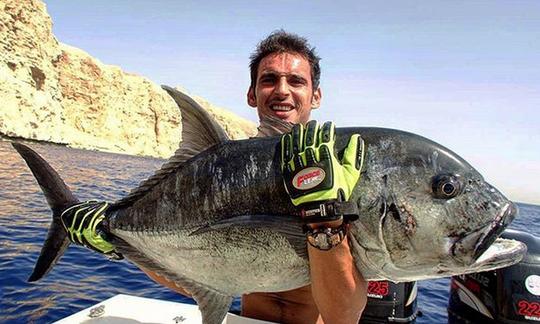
[284, 88]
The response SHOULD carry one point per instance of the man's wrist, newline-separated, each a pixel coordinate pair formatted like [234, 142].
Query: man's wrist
[326, 238]
[328, 211]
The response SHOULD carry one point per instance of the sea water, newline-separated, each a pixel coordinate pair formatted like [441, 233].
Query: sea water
[82, 279]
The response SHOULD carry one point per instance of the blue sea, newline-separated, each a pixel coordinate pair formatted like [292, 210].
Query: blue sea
[82, 278]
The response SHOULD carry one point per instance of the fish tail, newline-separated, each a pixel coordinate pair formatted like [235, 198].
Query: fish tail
[59, 197]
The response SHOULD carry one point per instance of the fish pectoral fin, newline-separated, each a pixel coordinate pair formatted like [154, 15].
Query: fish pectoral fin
[212, 304]
[288, 226]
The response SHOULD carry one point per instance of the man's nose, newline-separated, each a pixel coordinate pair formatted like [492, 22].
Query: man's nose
[282, 87]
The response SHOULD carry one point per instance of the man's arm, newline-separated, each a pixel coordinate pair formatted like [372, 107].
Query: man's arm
[339, 290]
[321, 186]
[82, 222]
[164, 282]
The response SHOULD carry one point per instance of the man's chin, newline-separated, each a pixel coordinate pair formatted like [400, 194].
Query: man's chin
[289, 116]
[292, 116]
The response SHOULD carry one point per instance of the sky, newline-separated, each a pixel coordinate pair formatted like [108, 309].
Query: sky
[465, 74]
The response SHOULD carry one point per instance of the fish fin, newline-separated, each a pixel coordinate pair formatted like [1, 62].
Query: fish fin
[199, 132]
[59, 197]
[212, 304]
[273, 126]
[288, 226]
[199, 129]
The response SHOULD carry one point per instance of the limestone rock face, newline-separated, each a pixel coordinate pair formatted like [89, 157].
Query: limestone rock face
[57, 93]
[31, 96]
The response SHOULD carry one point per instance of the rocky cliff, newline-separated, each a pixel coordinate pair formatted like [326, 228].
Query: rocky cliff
[57, 93]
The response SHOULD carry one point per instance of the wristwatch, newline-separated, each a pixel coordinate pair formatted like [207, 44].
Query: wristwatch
[325, 238]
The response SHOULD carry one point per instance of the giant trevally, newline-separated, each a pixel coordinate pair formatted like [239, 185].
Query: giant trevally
[216, 218]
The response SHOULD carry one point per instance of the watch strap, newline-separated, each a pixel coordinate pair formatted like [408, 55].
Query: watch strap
[327, 211]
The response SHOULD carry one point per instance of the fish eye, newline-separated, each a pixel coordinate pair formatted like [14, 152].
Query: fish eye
[446, 186]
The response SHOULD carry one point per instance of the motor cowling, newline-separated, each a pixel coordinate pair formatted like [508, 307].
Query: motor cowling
[389, 302]
[507, 295]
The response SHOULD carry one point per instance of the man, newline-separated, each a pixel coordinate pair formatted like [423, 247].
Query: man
[285, 84]
[285, 76]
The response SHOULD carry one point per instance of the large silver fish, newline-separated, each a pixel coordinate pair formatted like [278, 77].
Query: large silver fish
[217, 220]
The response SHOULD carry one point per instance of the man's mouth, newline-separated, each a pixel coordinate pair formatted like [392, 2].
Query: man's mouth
[281, 107]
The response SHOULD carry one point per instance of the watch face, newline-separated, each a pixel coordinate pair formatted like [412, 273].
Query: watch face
[321, 241]
[326, 240]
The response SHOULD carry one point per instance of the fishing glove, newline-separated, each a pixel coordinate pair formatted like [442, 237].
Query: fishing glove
[82, 223]
[316, 180]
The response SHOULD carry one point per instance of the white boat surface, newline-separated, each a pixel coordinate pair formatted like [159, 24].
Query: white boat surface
[126, 309]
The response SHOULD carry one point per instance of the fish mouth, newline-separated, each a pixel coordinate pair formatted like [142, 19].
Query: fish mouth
[500, 254]
[482, 238]
[497, 226]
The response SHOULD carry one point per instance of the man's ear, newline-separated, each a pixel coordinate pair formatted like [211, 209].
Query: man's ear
[316, 98]
[251, 99]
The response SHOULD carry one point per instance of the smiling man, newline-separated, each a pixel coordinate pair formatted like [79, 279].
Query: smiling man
[285, 77]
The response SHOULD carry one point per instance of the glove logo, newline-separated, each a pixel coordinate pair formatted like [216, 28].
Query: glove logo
[308, 178]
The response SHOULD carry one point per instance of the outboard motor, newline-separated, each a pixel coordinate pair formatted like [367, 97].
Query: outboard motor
[390, 303]
[508, 295]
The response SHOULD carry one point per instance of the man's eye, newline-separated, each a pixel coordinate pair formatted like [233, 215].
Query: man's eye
[297, 82]
[267, 80]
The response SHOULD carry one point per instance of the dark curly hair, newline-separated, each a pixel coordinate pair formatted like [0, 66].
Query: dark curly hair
[281, 41]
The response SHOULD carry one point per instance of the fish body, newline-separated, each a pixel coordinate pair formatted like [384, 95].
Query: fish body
[217, 220]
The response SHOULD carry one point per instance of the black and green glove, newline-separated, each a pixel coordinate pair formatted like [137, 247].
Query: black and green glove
[311, 171]
[82, 223]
